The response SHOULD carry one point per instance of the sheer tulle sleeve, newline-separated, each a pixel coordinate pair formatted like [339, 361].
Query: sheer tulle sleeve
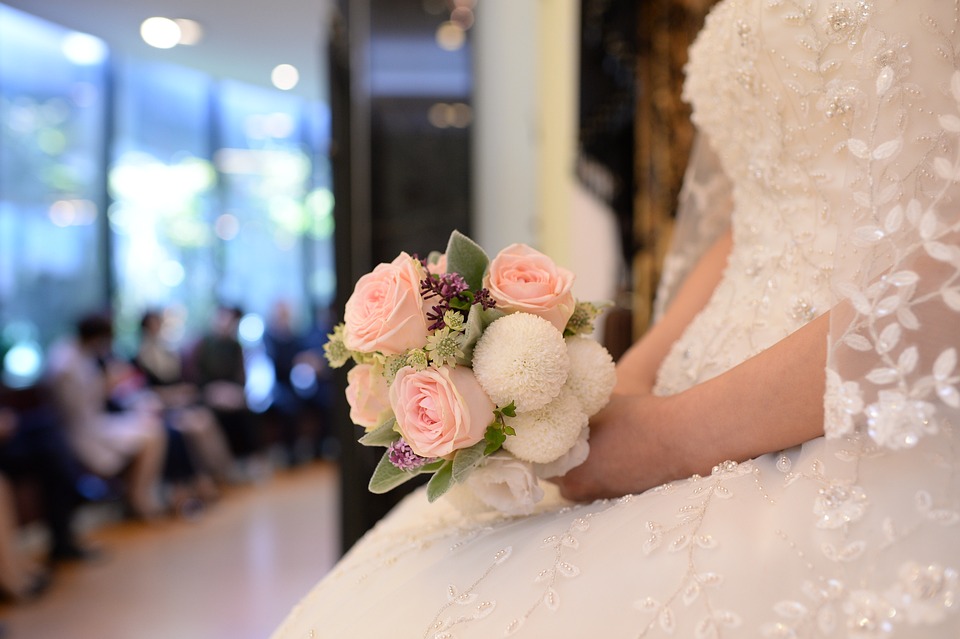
[892, 364]
[703, 214]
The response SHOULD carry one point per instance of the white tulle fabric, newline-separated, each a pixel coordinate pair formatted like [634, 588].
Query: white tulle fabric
[833, 153]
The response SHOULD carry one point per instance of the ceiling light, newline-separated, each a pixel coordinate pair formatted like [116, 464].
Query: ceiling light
[285, 76]
[162, 33]
[190, 31]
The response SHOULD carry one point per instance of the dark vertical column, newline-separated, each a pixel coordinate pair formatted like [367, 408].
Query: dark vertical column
[307, 241]
[106, 158]
[350, 159]
[399, 183]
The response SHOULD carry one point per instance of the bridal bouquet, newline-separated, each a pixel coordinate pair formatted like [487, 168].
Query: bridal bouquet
[473, 370]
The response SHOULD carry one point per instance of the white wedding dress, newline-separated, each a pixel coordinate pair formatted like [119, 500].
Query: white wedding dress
[836, 125]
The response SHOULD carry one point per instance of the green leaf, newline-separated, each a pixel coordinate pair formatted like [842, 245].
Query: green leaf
[386, 476]
[441, 482]
[466, 459]
[433, 466]
[466, 257]
[494, 439]
[461, 304]
[510, 410]
[478, 320]
[382, 435]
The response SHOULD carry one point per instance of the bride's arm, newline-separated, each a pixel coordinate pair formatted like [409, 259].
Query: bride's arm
[637, 369]
[770, 402]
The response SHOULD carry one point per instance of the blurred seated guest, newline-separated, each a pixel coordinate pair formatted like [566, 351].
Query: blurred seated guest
[130, 441]
[218, 368]
[285, 348]
[34, 446]
[161, 366]
[322, 396]
[184, 487]
[21, 578]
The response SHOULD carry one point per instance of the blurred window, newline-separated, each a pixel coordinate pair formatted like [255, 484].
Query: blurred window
[266, 168]
[52, 125]
[163, 187]
[215, 191]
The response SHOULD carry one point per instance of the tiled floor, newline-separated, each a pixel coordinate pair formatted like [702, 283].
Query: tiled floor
[232, 574]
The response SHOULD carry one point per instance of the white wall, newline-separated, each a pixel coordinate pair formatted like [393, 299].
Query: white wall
[505, 115]
[525, 133]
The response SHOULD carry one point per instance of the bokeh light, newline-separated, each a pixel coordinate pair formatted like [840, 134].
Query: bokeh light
[162, 33]
[83, 49]
[227, 226]
[450, 36]
[251, 328]
[190, 31]
[22, 364]
[285, 76]
[443, 115]
[171, 273]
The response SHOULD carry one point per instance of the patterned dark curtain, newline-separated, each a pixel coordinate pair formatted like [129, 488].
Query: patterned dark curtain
[665, 29]
[635, 132]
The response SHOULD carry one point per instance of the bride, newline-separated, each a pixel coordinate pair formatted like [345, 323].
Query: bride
[781, 456]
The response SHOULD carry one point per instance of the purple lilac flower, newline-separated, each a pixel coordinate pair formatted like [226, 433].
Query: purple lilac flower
[402, 456]
[451, 285]
[435, 316]
[447, 286]
[482, 297]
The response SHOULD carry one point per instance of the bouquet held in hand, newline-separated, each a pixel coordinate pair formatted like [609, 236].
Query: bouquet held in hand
[472, 370]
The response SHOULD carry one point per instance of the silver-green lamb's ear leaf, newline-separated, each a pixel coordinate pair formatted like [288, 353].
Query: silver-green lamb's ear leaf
[382, 435]
[466, 460]
[440, 483]
[466, 257]
[434, 466]
[478, 320]
[386, 476]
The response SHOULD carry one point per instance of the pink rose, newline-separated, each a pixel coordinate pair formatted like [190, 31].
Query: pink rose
[368, 395]
[386, 312]
[439, 267]
[440, 411]
[525, 280]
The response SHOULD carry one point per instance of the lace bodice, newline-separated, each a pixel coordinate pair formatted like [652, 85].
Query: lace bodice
[827, 120]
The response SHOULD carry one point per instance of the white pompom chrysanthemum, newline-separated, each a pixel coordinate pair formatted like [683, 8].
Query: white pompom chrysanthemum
[592, 373]
[521, 358]
[546, 434]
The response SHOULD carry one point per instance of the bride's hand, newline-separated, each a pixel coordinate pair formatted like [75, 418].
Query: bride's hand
[631, 449]
[770, 402]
